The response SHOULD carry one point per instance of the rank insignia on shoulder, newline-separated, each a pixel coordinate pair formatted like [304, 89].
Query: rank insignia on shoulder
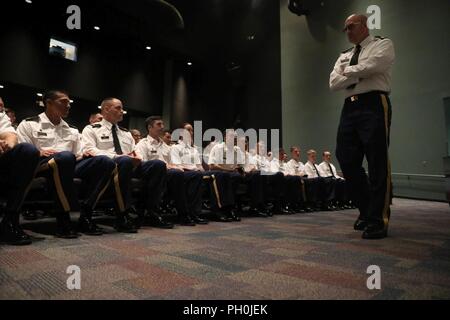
[96, 125]
[104, 138]
[124, 129]
[73, 127]
[347, 50]
[380, 38]
[33, 119]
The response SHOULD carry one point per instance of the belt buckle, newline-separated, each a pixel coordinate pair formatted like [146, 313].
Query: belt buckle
[353, 98]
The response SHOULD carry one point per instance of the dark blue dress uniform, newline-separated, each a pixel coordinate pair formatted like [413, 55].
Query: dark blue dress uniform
[116, 143]
[17, 169]
[61, 168]
[364, 74]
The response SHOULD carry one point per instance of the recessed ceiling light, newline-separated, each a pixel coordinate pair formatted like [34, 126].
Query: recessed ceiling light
[99, 107]
[71, 101]
[125, 112]
[29, 1]
[97, 28]
[189, 63]
[2, 87]
[148, 48]
[39, 94]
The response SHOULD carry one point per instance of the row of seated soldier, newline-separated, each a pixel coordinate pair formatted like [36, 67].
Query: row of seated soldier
[47, 164]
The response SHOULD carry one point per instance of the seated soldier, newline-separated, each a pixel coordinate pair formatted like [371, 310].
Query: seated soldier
[326, 185]
[108, 139]
[182, 186]
[18, 163]
[61, 161]
[329, 171]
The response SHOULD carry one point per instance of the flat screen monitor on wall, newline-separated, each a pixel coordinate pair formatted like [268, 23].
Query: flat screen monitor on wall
[63, 49]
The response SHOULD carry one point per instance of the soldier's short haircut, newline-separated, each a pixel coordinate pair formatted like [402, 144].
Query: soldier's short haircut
[108, 100]
[151, 120]
[52, 95]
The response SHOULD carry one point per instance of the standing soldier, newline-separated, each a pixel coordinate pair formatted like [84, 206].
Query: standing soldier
[363, 72]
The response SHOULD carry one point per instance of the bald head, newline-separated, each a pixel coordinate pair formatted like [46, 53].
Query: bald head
[356, 28]
[112, 110]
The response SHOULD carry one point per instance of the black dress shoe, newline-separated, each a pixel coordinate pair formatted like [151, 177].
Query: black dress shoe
[280, 211]
[124, 223]
[187, 221]
[64, 227]
[257, 213]
[88, 227]
[360, 225]
[13, 235]
[233, 216]
[218, 217]
[198, 220]
[30, 215]
[155, 220]
[374, 232]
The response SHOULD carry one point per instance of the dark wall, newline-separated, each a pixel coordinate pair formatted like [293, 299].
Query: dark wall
[238, 82]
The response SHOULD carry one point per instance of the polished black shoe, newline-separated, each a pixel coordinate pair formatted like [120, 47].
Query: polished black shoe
[199, 220]
[219, 217]
[360, 225]
[233, 216]
[88, 227]
[280, 211]
[64, 227]
[373, 232]
[256, 213]
[155, 220]
[13, 235]
[187, 221]
[124, 223]
[30, 215]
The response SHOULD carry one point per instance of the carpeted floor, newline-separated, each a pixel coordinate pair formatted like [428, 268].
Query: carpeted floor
[312, 256]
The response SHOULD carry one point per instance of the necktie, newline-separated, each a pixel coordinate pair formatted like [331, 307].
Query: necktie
[331, 169]
[354, 61]
[317, 170]
[117, 147]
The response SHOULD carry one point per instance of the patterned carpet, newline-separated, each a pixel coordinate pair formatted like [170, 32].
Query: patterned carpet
[312, 256]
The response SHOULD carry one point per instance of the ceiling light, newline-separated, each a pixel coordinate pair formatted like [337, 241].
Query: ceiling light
[2, 87]
[29, 1]
[189, 63]
[97, 28]
[148, 48]
[39, 94]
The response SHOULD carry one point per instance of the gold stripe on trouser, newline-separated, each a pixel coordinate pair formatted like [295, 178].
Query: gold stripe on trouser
[27, 189]
[216, 191]
[119, 197]
[387, 200]
[58, 185]
[302, 186]
[102, 192]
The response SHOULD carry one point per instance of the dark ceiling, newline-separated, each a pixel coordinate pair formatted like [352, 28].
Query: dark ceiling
[206, 30]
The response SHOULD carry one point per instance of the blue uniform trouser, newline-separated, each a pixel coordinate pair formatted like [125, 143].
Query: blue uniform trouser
[96, 174]
[293, 189]
[364, 131]
[223, 194]
[17, 170]
[193, 186]
[255, 182]
[59, 170]
[154, 175]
